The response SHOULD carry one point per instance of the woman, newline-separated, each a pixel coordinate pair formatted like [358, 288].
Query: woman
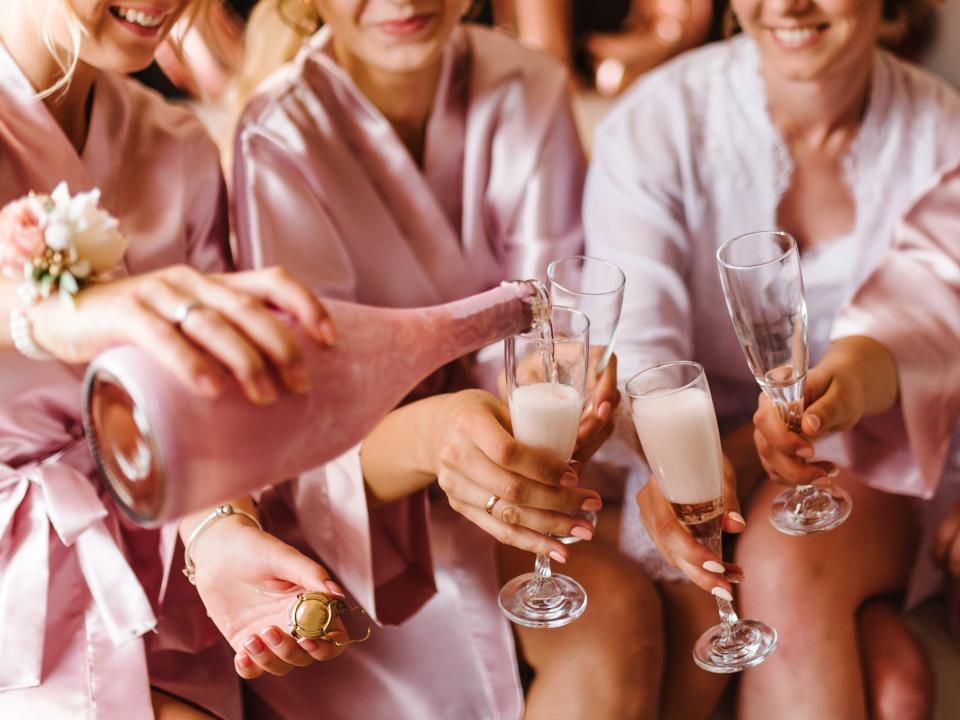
[79, 588]
[404, 160]
[799, 123]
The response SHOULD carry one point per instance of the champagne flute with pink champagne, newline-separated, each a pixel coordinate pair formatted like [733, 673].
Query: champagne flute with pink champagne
[674, 416]
[545, 414]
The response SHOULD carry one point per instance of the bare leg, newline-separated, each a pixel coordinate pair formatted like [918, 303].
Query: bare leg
[899, 677]
[688, 692]
[167, 707]
[810, 589]
[606, 664]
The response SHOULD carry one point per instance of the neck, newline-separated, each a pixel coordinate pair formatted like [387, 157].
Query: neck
[405, 99]
[24, 43]
[816, 112]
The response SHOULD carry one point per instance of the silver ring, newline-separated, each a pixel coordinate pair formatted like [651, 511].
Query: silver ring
[183, 311]
[493, 500]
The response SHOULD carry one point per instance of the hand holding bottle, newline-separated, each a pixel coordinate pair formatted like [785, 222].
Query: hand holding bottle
[203, 328]
[703, 567]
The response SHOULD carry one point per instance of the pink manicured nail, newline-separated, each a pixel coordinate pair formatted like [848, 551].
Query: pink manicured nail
[244, 661]
[575, 466]
[603, 412]
[569, 479]
[834, 471]
[582, 533]
[300, 378]
[714, 567]
[335, 589]
[328, 332]
[255, 645]
[272, 636]
[309, 645]
[722, 593]
[557, 556]
[805, 453]
[736, 517]
[592, 504]
[210, 385]
[813, 423]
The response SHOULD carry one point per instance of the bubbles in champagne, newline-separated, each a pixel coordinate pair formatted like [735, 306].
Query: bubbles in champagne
[543, 327]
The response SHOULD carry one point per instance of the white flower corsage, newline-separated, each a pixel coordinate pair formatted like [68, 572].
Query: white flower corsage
[58, 243]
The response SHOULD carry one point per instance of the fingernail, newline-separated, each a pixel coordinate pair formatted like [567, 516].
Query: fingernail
[558, 557]
[805, 453]
[210, 385]
[813, 423]
[309, 645]
[272, 636]
[736, 517]
[328, 332]
[335, 589]
[582, 533]
[834, 471]
[575, 466]
[592, 504]
[603, 412]
[714, 567]
[300, 378]
[722, 593]
[244, 661]
[569, 479]
[266, 393]
[734, 577]
[255, 645]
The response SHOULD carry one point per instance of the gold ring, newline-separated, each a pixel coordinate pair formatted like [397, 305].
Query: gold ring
[490, 503]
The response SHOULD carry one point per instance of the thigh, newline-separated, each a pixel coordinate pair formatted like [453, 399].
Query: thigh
[167, 707]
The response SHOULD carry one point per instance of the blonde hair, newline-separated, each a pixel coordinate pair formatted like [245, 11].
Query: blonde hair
[67, 58]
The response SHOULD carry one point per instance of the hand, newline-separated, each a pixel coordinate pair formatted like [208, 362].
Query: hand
[231, 331]
[834, 401]
[248, 581]
[476, 457]
[597, 423]
[702, 566]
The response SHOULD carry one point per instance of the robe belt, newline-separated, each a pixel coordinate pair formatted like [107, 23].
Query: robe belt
[33, 497]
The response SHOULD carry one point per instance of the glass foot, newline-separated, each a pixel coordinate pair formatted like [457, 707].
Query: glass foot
[803, 511]
[749, 645]
[529, 601]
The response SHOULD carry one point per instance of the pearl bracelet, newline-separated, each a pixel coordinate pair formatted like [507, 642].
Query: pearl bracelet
[189, 567]
[21, 332]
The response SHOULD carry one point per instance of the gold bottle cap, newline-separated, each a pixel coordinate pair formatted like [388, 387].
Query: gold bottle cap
[312, 615]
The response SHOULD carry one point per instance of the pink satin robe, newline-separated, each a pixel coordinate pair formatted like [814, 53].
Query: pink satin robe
[325, 187]
[79, 587]
[911, 304]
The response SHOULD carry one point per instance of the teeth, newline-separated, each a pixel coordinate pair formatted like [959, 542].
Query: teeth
[138, 17]
[795, 36]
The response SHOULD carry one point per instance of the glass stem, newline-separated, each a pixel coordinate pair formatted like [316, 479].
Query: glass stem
[542, 587]
[728, 616]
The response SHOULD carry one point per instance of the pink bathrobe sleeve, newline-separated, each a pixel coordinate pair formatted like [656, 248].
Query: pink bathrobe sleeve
[79, 585]
[911, 304]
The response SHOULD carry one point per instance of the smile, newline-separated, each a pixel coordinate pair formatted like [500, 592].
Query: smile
[148, 19]
[797, 37]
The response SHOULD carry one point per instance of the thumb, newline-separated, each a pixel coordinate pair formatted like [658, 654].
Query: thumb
[836, 408]
[296, 568]
[733, 521]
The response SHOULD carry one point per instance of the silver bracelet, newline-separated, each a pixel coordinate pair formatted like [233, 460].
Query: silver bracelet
[21, 332]
[189, 567]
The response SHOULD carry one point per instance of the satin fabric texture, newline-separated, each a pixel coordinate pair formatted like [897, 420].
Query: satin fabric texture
[79, 587]
[324, 186]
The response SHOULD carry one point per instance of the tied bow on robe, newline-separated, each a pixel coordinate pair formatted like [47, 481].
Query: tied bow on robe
[57, 492]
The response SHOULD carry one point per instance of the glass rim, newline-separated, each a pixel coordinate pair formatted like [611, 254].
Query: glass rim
[535, 334]
[619, 271]
[732, 266]
[661, 366]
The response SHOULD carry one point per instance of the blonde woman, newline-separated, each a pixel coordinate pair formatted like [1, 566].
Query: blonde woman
[80, 589]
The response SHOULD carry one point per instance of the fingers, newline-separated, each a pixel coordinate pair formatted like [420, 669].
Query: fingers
[605, 395]
[276, 286]
[733, 521]
[275, 652]
[839, 407]
[946, 551]
[289, 564]
[780, 438]
[782, 467]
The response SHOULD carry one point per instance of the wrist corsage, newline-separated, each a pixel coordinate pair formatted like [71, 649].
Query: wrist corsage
[58, 243]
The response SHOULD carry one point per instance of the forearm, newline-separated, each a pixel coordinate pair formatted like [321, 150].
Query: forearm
[546, 25]
[871, 364]
[190, 522]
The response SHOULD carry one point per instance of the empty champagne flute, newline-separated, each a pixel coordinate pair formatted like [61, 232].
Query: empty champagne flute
[545, 414]
[677, 425]
[763, 286]
[595, 288]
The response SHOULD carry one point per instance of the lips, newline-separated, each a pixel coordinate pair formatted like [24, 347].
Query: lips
[143, 21]
[406, 26]
[792, 38]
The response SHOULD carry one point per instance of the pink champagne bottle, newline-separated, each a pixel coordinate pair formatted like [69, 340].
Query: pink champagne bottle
[164, 452]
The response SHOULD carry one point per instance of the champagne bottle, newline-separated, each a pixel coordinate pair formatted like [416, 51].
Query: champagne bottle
[164, 452]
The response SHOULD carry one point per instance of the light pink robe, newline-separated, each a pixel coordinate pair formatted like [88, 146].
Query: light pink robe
[325, 187]
[911, 304]
[78, 587]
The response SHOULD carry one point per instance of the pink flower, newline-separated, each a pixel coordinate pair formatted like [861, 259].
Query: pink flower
[21, 236]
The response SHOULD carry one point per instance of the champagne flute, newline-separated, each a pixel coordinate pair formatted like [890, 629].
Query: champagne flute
[763, 287]
[546, 415]
[677, 425]
[595, 288]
